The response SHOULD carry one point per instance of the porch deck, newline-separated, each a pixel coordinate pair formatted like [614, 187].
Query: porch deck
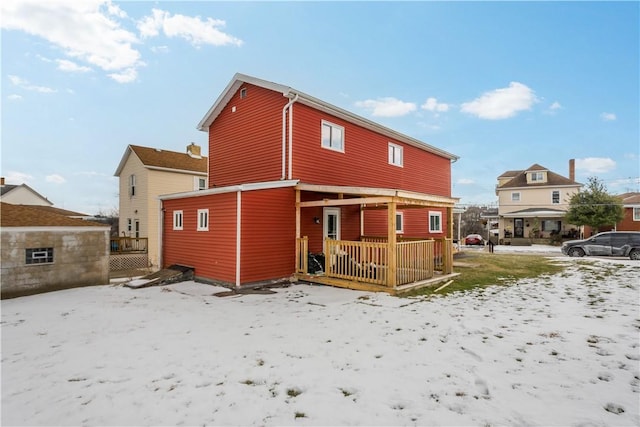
[373, 264]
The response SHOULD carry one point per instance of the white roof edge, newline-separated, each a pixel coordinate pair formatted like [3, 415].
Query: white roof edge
[289, 92]
[267, 185]
[185, 171]
[123, 160]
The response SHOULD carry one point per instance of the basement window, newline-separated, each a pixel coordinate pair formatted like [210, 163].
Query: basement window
[39, 256]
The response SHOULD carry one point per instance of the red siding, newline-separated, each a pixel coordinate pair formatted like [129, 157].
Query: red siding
[628, 224]
[212, 252]
[268, 234]
[365, 160]
[416, 223]
[246, 145]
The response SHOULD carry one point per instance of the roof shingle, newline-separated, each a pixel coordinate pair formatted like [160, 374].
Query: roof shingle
[31, 216]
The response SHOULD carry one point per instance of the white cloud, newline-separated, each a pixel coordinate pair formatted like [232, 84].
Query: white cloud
[70, 66]
[501, 103]
[14, 97]
[160, 49]
[17, 178]
[608, 117]
[555, 106]
[595, 164]
[55, 178]
[387, 107]
[83, 30]
[125, 76]
[24, 84]
[432, 104]
[466, 181]
[193, 29]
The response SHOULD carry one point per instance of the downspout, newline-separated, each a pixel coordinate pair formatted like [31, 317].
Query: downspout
[284, 138]
[238, 234]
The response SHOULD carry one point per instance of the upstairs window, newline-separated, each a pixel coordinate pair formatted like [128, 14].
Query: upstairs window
[395, 154]
[201, 183]
[243, 93]
[435, 222]
[203, 220]
[537, 176]
[399, 222]
[132, 185]
[555, 197]
[177, 220]
[636, 214]
[39, 256]
[332, 136]
[515, 197]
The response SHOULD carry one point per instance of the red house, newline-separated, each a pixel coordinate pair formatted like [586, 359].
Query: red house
[289, 175]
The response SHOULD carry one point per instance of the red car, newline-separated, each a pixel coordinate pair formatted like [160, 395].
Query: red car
[473, 239]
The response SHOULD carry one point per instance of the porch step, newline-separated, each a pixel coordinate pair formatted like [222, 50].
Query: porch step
[173, 274]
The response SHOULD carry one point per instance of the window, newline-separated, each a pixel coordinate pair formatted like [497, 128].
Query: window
[551, 225]
[39, 256]
[332, 136]
[129, 225]
[399, 222]
[201, 183]
[177, 220]
[555, 197]
[515, 197]
[536, 176]
[132, 185]
[243, 93]
[435, 222]
[636, 214]
[395, 154]
[203, 220]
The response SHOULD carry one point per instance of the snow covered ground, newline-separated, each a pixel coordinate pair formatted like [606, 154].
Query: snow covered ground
[559, 350]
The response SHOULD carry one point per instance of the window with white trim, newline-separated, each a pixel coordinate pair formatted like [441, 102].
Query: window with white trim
[203, 220]
[515, 197]
[399, 222]
[555, 197]
[332, 136]
[201, 183]
[395, 154]
[537, 176]
[132, 185]
[177, 220]
[435, 222]
[636, 214]
[39, 256]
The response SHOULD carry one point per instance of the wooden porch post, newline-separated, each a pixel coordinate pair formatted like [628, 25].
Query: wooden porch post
[297, 214]
[448, 259]
[391, 245]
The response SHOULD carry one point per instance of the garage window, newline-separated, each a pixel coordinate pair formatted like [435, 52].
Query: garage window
[39, 256]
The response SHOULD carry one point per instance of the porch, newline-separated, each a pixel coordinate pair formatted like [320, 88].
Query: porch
[392, 263]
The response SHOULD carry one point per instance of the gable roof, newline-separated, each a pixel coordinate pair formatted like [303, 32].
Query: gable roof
[297, 96]
[33, 216]
[61, 211]
[156, 158]
[8, 188]
[629, 199]
[520, 179]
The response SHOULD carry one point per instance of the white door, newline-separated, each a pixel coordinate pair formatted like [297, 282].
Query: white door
[330, 224]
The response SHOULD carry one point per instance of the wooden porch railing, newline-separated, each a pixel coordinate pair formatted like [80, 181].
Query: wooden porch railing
[125, 245]
[302, 251]
[361, 261]
[442, 250]
[414, 261]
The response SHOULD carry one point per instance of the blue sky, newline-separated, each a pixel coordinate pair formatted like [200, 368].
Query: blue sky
[502, 85]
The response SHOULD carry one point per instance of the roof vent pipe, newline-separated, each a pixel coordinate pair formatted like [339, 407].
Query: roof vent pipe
[284, 136]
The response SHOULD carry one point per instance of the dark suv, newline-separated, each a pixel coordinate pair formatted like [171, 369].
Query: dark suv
[611, 243]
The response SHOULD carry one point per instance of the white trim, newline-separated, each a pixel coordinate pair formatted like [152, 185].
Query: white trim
[238, 235]
[199, 225]
[184, 171]
[268, 185]
[396, 149]
[370, 191]
[324, 123]
[434, 214]
[181, 213]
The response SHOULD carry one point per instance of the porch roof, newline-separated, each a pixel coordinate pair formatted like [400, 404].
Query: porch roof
[374, 197]
[535, 212]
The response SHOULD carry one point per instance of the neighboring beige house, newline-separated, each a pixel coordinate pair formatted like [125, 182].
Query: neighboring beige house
[532, 203]
[146, 173]
[21, 195]
[44, 251]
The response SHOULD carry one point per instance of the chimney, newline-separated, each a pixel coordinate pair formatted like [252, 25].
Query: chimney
[572, 169]
[194, 151]
[2, 180]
